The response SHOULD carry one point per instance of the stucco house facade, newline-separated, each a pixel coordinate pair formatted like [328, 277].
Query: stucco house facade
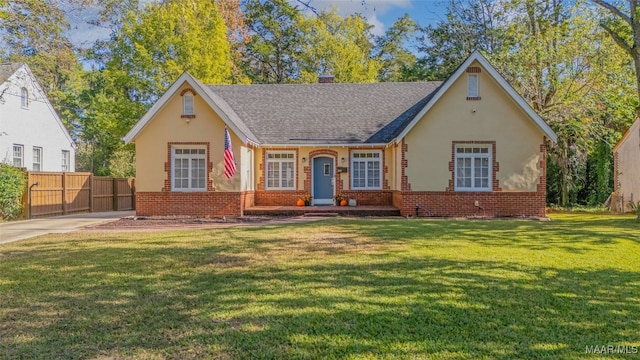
[466, 146]
[626, 157]
[32, 136]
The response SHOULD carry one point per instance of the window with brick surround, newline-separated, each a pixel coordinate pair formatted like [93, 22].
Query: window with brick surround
[366, 170]
[189, 169]
[472, 168]
[280, 170]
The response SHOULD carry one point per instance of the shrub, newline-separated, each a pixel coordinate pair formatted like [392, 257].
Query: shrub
[13, 183]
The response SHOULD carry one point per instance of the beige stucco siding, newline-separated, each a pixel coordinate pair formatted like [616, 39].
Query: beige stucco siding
[168, 127]
[628, 166]
[493, 118]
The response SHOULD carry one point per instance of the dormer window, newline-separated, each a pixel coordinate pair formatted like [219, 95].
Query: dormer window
[188, 106]
[24, 98]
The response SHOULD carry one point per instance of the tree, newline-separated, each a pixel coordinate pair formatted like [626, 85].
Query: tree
[562, 65]
[165, 39]
[390, 50]
[338, 46]
[470, 25]
[275, 41]
[624, 28]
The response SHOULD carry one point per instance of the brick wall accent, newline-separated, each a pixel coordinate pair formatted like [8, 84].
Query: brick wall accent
[491, 204]
[278, 197]
[167, 164]
[495, 166]
[199, 204]
[404, 185]
[370, 197]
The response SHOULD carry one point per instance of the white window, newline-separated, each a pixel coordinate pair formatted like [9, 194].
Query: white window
[365, 170]
[189, 169]
[281, 170]
[187, 102]
[18, 156]
[37, 158]
[472, 86]
[65, 160]
[472, 168]
[24, 98]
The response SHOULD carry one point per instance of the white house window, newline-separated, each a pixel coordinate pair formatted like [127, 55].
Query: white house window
[365, 173]
[37, 158]
[187, 102]
[18, 156]
[24, 98]
[189, 169]
[472, 168]
[472, 86]
[280, 170]
[65, 160]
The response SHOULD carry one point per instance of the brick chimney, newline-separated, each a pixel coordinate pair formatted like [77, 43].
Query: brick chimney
[326, 79]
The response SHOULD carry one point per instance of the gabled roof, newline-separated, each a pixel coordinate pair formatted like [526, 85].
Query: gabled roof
[477, 56]
[328, 114]
[337, 113]
[228, 115]
[8, 69]
[624, 137]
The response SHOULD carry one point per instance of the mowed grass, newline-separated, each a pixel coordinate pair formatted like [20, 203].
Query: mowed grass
[336, 288]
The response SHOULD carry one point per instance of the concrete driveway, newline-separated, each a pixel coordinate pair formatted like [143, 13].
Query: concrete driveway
[19, 230]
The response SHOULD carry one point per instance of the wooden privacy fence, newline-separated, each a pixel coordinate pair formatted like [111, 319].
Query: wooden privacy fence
[59, 193]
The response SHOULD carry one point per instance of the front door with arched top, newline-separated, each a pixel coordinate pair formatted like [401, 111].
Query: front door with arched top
[322, 180]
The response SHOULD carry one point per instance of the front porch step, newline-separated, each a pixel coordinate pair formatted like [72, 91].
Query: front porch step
[319, 210]
[321, 214]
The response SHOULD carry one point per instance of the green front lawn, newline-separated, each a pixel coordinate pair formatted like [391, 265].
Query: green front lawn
[336, 288]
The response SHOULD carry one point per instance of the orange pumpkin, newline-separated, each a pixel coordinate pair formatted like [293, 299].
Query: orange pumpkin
[300, 202]
[343, 202]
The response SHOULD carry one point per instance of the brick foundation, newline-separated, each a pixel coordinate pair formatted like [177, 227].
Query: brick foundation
[202, 204]
[491, 204]
[278, 197]
[370, 197]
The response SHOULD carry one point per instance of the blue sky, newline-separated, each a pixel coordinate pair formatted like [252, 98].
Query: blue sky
[383, 13]
[379, 13]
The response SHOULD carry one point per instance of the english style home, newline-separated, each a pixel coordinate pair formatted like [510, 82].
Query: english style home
[466, 146]
[32, 136]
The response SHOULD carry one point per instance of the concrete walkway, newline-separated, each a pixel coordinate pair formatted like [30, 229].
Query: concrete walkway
[19, 230]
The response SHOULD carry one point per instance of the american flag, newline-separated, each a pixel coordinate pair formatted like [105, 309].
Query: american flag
[229, 161]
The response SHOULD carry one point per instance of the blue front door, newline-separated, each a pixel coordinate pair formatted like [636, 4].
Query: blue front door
[322, 181]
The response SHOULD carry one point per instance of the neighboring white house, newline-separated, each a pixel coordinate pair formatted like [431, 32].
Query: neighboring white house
[32, 135]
